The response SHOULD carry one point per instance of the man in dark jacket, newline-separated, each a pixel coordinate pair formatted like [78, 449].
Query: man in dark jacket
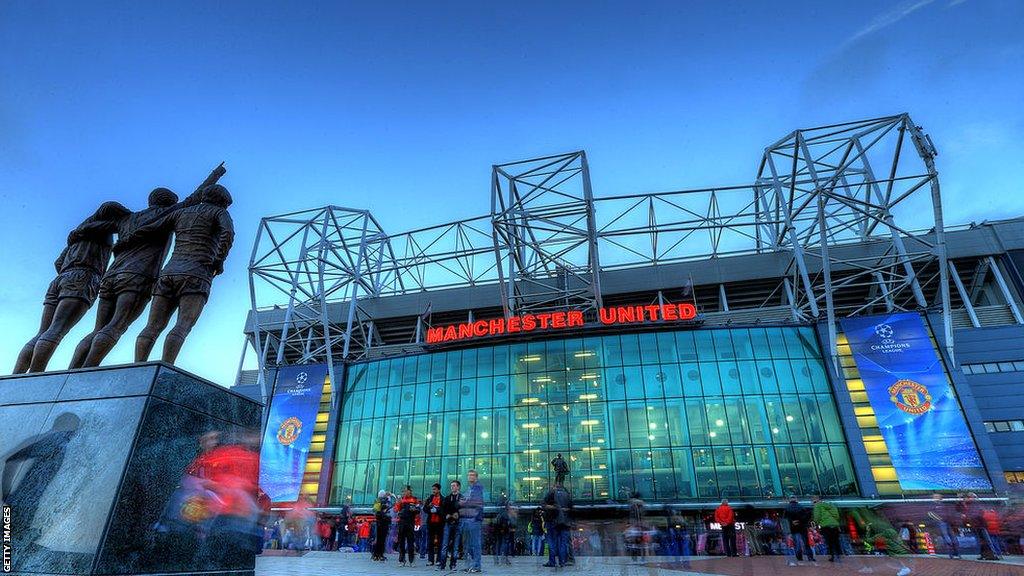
[433, 507]
[408, 510]
[557, 509]
[450, 508]
[799, 520]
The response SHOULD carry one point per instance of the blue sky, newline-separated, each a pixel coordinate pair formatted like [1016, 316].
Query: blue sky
[403, 107]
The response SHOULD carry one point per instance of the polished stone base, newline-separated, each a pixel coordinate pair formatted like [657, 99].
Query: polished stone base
[94, 470]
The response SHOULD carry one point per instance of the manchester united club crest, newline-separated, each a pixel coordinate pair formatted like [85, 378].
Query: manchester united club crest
[289, 431]
[911, 397]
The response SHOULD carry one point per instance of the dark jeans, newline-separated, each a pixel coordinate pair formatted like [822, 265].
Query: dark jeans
[449, 544]
[729, 539]
[802, 545]
[558, 545]
[434, 533]
[406, 542]
[831, 535]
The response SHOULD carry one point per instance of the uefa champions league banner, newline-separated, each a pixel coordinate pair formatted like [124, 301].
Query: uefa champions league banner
[286, 440]
[918, 413]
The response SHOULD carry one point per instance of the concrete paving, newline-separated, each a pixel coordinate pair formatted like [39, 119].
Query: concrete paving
[359, 564]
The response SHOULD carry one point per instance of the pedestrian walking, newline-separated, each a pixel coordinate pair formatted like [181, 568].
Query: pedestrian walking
[557, 510]
[504, 535]
[946, 521]
[727, 520]
[408, 510]
[472, 514]
[451, 513]
[798, 518]
[826, 516]
[536, 529]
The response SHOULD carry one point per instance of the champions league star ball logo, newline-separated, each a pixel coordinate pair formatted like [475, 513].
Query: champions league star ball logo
[289, 431]
[910, 397]
[884, 331]
[301, 378]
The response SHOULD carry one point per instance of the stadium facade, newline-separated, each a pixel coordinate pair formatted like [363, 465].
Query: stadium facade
[820, 330]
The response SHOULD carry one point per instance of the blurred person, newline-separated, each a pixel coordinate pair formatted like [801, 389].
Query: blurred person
[472, 515]
[725, 518]
[971, 515]
[993, 526]
[826, 516]
[433, 507]
[797, 517]
[946, 521]
[504, 534]
[382, 517]
[363, 532]
[536, 531]
[451, 509]
[557, 509]
[408, 510]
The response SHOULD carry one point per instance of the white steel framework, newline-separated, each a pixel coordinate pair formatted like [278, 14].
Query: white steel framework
[547, 238]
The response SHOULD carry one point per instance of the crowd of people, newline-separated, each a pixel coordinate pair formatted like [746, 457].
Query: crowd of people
[448, 529]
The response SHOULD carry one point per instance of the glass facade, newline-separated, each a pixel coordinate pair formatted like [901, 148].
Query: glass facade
[685, 415]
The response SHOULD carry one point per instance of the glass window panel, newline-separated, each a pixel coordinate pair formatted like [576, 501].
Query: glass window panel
[677, 430]
[759, 343]
[392, 400]
[757, 421]
[843, 469]
[451, 434]
[717, 421]
[612, 351]
[615, 383]
[558, 427]
[793, 418]
[777, 342]
[768, 472]
[484, 361]
[469, 363]
[802, 376]
[467, 433]
[554, 355]
[809, 343]
[705, 347]
[666, 348]
[776, 419]
[784, 375]
[686, 348]
[657, 424]
[704, 473]
[723, 344]
[749, 380]
[380, 403]
[437, 394]
[788, 476]
[409, 370]
[376, 441]
[469, 390]
[664, 477]
[729, 376]
[654, 381]
[501, 360]
[407, 400]
[819, 380]
[518, 359]
[742, 345]
[438, 366]
[500, 390]
[766, 373]
[812, 420]
[638, 426]
[634, 382]
[725, 469]
[452, 394]
[696, 419]
[648, 348]
[805, 468]
[685, 484]
[671, 383]
[737, 420]
[423, 368]
[630, 349]
[747, 472]
[690, 374]
[709, 379]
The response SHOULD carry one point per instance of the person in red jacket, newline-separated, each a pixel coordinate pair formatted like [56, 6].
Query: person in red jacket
[727, 520]
[408, 510]
[435, 524]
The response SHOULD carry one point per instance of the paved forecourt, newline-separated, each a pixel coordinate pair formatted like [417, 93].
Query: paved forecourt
[341, 563]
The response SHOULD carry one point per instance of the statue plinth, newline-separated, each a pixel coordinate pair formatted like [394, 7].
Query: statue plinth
[134, 469]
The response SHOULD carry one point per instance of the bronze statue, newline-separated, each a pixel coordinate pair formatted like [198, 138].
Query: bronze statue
[127, 285]
[72, 292]
[203, 234]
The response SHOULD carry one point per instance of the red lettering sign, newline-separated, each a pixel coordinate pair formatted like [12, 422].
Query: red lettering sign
[608, 316]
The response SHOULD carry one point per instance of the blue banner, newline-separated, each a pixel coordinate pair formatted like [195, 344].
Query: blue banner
[917, 410]
[286, 440]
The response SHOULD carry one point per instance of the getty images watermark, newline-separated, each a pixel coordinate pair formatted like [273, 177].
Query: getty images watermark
[8, 553]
